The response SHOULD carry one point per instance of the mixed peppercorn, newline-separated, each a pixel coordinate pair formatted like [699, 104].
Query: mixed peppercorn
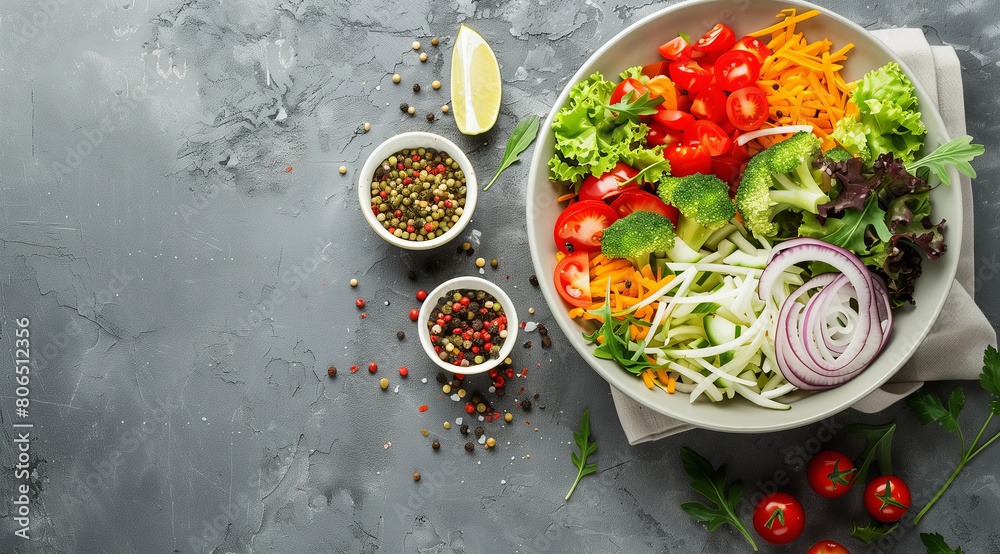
[418, 194]
[467, 327]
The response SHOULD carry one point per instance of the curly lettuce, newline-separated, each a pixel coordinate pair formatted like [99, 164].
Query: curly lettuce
[590, 139]
[888, 118]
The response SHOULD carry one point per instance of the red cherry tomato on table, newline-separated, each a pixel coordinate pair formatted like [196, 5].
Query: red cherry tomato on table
[719, 39]
[747, 108]
[625, 87]
[754, 46]
[736, 69]
[778, 518]
[642, 201]
[677, 50]
[674, 119]
[709, 104]
[580, 225]
[689, 76]
[572, 279]
[609, 184]
[828, 547]
[831, 474]
[658, 135]
[688, 158]
[887, 498]
[711, 136]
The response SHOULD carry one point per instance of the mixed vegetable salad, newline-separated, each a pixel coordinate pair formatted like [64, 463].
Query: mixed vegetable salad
[741, 220]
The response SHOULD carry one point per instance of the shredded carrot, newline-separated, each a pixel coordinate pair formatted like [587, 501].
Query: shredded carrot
[647, 377]
[662, 377]
[566, 197]
[789, 21]
[671, 385]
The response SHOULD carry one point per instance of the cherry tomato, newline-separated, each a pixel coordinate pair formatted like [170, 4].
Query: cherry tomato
[580, 225]
[719, 39]
[662, 86]
[674, 119]
[625, 87]
[658, 135]
[572, 278]
[828, 547]
[642, 201]
[754, 46]
[689, 76]
[831, 474]
[654, 69]
[747, 108]
[737, 152]
[677, 50]
[715, 140]
[728, 170]
[736, 69]
[709, 104]
[608, 185]
[778, 518]
[688, 158]
[887, 498]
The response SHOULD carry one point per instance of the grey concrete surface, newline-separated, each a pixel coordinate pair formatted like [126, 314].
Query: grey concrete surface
[175, 228]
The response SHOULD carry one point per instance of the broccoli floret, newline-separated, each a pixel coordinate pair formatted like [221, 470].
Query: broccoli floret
[704, 205]
[778, 179]
[637, 235]
[837, 154]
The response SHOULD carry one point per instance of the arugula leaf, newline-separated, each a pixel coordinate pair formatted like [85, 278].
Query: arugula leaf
[957, 152]
[849, 231]
[632, 107]
[520, 138]
[586, 447]
[711, 483]
[878, 449]
[935, 544]
[928, 408]
[870, 532]
[617, 344]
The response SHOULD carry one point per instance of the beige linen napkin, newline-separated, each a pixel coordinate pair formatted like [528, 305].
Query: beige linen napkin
[952, 349]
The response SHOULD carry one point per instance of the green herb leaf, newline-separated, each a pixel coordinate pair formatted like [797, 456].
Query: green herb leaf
[871, 532]
[928, 408]
[520, 138]
[990, 377]
[711, 483]
[935, 544]
[957, 152]
[685, 36]
[587, 448]
[631, 108]
[878, 449]
[617, 344]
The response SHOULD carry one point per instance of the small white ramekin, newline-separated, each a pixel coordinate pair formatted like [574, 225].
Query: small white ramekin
[416, 139]
[473, 283]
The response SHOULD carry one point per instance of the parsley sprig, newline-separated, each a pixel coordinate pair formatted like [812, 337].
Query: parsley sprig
[587, 448]
[711, 482]
[929, 408]
[520, 138]
[631, 108]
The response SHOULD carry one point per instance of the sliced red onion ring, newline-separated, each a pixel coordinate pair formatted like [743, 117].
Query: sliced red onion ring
[808, 354]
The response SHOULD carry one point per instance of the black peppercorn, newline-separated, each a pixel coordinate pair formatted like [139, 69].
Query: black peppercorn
[469, 447]
[416, 87]
[526, 405]
[536, 395]
[441, 378]
[533, 280]
[546, 342]
[332, 371]
[400, 335]
[435, 445]
[480, 432]
[430, 117]
[403, 107]
[464, 429]
[543, 331]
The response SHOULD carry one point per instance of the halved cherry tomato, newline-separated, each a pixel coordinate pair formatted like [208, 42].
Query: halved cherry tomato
[689, 76]
[688, 158]
[609, 184]
[778, 518]
[572, 277]
[658, 135]
[642, 201]
[754, 46]
[736, 69]
[828, 547]
[674, 119]
[747, 108]
[715, 140]
[580, 225]
[719, 39]
[709, 104]
[654, 69]
[677, 50]
[662, 86]
[625, 87]
[887, 498]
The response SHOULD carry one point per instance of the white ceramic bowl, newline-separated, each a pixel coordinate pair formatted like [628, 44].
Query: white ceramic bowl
[473, 283]
[416, 139]
[636, 45]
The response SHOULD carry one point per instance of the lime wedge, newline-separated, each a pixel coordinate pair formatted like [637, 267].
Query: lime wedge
[475, 83]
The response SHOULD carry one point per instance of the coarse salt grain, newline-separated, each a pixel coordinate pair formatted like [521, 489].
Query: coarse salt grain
[456, 398]
[482, 439]
[503, 481]
[424, 380]
[458, 421]
[530, 326]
